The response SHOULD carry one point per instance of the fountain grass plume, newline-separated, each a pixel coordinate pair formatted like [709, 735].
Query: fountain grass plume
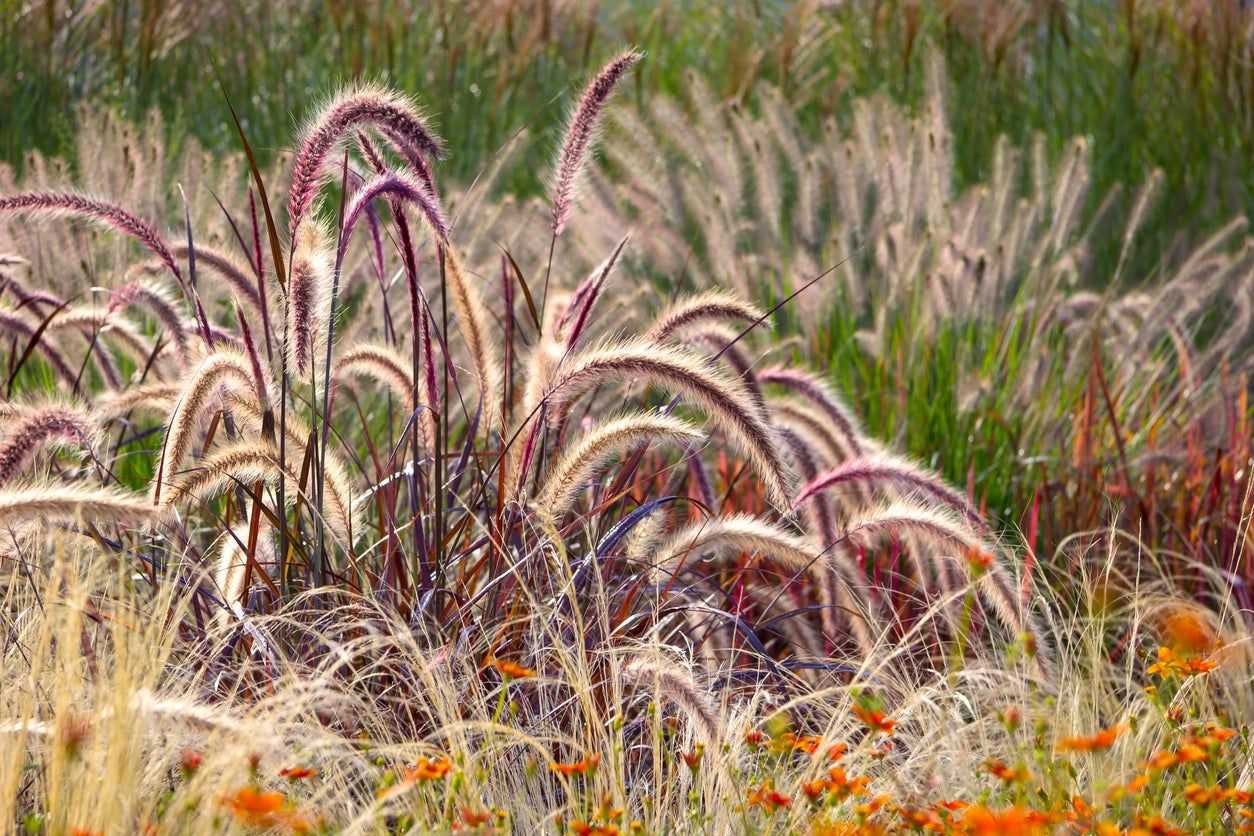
[153, 298]
[581, 134]
[476, 330]
[308, 294]
[69, 503]
[712, 306]
[941, 532]
[585, 297]
[600, 444]
[39, 427]
[103, 212]
[810, 387]
[382, 364]
[888, 469]
[13, 324]
[350, 110]
[249, 462]
[717, 538]
[198, 395]
[715, 393]
[402, 189]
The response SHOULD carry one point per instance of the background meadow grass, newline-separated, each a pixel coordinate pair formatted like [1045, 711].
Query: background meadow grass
[1152, 84]
[1004, 308]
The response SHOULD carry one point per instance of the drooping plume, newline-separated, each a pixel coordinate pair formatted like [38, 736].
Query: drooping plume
[32, 430]
[99, 211]
[681, 371]
[367, 106]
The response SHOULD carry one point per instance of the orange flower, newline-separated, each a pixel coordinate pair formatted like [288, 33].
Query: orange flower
[1186, 631]
[1204, 796]
[1013, 820]
[1218, 733]
[250, 803]
[428, 769]
[1006, 773]
[872, 806]
[874, 719]
[979, 560]
[1101, 741]
[475, 818]
[754, 737]
[508, 669]
[583, 828]
[693, 758]
[582, 767]
[837, 751]
[926, 820]
[82, 831]
[767, 797]
[1158, 826]
[790, 742]
[814, 789]
[1171, 664]
[1190, 752]
[1162, 759]
[266, 809]
[297, 773]
[842, 786]
[1165, 666]
[1133, 787]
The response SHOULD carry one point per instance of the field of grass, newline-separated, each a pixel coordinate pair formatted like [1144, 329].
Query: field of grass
[692, 418]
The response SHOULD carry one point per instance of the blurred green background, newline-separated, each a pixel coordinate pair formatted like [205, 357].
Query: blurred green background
[1152, 83]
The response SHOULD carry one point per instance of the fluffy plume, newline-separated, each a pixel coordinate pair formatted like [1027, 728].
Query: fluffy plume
[475, 324]
[401, 189]
[580, 134]
[672, 368]
[13, 324]
[231, 567]
[100, 211]
[399, 117]
[38, 428]
[62, 503]
[720, 537]
[584, 299]
[247, 462]
[711, 306]
[600, 444]
[811, 422]
[162, 308]
[90, 321]
[675, 685]
[887, 469]
[155, 398]
[308, 295]
[242, 282]
[382, 364]
[719, 340]
[939, 531]
[821, 395]
[198, 395]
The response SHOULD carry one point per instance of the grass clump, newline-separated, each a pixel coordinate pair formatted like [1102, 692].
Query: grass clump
[374, 529]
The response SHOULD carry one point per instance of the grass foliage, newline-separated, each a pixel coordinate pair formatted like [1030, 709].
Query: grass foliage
[787, 472]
